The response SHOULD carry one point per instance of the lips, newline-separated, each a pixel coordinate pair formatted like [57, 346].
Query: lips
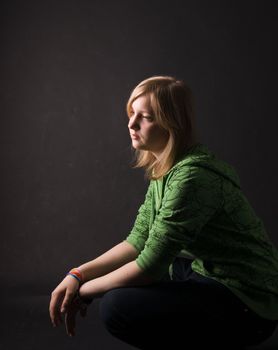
[135, 137]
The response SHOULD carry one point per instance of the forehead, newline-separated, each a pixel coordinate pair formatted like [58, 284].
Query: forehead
[142, 103]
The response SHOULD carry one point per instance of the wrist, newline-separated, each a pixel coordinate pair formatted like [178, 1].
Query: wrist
[77, 274]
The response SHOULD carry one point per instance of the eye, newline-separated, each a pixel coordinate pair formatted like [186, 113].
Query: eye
[149, 118]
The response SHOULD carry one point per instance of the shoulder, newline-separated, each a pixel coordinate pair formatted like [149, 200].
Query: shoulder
[191, 161]
[202, 165]
[187, 174]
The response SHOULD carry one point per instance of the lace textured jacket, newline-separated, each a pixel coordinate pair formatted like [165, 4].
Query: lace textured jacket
[198, 210]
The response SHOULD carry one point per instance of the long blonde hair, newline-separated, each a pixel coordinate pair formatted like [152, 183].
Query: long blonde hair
[173, 107]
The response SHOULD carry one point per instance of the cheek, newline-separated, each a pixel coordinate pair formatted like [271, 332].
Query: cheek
[158, 133]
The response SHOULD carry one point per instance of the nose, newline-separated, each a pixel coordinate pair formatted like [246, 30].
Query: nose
[133, 123]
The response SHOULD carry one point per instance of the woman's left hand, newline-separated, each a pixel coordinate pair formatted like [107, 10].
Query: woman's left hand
[74, 307]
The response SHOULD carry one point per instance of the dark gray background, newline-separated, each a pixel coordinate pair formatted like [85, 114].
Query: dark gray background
[67, 69]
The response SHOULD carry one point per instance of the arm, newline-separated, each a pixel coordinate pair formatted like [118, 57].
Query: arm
[129, 274]
[118, 256]
[111, 260]
[140, 231]
[64, 293]
[192, 196]
[122, 272]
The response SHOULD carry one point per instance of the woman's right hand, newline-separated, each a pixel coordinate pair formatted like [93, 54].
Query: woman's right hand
[61, 298]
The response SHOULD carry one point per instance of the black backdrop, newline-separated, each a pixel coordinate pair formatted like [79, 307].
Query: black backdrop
[67, 68]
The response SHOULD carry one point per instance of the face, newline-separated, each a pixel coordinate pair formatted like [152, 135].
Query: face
[144, 131]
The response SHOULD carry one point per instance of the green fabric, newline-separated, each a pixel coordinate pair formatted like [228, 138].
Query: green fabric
[198, 210]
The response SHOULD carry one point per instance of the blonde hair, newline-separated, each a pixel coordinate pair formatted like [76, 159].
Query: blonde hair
[172, 104]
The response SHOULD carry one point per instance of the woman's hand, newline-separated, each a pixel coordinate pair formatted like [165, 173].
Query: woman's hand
[61, 298]
[76, 305]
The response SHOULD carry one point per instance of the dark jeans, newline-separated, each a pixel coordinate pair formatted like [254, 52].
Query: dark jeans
[191, 310]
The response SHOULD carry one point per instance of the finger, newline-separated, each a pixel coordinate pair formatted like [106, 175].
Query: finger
[67, 299]
[70, 322]
[54, 309]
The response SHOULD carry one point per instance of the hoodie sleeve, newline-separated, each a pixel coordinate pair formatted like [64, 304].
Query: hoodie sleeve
[140, 231]
[192, 196]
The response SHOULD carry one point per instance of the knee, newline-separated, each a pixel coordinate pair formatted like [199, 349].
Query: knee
[112, 310]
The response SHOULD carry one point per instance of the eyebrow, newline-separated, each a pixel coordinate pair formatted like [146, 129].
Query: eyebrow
[143, 111]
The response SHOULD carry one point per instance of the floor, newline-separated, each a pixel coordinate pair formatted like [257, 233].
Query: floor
[25, 325]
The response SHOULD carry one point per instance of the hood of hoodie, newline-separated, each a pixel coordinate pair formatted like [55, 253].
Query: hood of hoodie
[200, 155]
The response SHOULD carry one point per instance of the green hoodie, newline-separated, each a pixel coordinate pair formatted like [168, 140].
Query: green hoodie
[198, 210]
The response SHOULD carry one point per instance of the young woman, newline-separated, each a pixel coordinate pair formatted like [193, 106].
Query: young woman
[198, 267]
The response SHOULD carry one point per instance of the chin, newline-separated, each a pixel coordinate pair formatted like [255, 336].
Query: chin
[136, 144]
[139, 148]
